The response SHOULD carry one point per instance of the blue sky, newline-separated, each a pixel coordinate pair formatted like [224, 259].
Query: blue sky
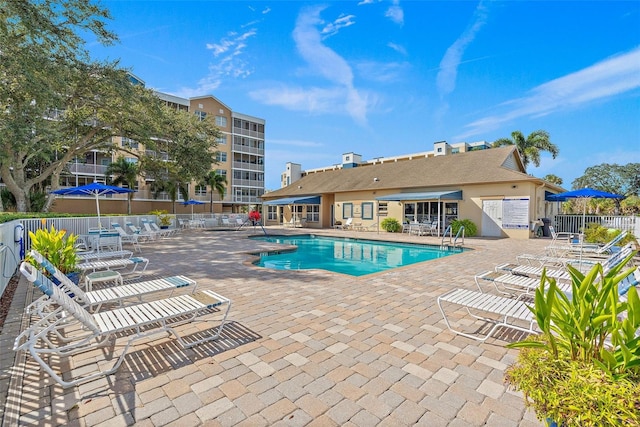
[383, 78]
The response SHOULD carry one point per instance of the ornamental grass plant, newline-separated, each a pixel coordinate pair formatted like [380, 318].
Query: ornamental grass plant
[584, 367]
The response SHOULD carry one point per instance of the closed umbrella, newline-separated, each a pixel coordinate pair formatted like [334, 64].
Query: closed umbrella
[95, 189]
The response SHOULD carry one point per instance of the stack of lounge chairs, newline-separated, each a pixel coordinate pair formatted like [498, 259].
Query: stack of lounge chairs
[504, 294]
[69, 319]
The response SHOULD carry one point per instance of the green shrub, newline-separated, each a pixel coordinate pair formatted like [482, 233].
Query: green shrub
[584, 369]
[596, 233]
[470, 228]
[391, 225]
[56, 246]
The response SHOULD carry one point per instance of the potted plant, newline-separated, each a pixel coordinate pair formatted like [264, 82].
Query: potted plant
[58, 247]
[584, 367]
[163, 218]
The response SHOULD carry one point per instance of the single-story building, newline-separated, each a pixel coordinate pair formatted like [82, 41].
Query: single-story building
[489, 187]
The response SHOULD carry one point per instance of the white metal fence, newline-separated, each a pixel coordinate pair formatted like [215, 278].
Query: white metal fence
[573, 223]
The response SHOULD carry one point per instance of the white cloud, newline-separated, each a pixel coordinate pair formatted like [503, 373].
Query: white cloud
[382, 72]
[446, 78]
[605, 79]
[341, 22]
[395, 12]
[398, 48]
[326, 63]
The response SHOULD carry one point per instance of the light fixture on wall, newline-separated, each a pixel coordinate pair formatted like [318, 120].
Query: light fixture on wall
[299, 187]
[514, 186]
[375, 179]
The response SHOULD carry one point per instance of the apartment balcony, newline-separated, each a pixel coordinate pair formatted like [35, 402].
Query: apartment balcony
[253, 183]
[86, 169]
[248, 166]
[247, 132]
[247, 199]
[240, 148]
[159, 155]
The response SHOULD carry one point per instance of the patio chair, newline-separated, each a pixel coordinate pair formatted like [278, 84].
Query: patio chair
[143, 234]
[346, 225]
[126, 237]
[150, 231]
[590, 249]
[133, 263]
[607, 264]
[164, 232]
[113, 294]
[49, 336]
[91, 256]
[506, 312]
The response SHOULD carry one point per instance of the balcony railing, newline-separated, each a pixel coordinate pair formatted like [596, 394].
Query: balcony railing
[240, 148]
[86, 169]
[248, 183]
[247, 132]
[248, 166]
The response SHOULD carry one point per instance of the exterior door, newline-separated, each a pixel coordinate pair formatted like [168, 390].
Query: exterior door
[492, 218]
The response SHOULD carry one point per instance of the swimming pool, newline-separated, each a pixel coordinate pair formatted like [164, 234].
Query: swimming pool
[356, 257]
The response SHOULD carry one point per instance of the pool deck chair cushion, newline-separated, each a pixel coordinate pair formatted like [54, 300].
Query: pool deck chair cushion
[132, 323]
[506, 312]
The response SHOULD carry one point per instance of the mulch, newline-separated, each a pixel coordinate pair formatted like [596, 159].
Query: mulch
[7, 297]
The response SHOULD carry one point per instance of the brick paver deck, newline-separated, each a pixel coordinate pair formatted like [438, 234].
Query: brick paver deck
[303, 348]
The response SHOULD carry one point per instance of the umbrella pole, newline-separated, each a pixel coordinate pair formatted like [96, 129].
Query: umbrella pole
[98, 211]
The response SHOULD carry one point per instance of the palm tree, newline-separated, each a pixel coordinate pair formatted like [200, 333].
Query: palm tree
[172, 187]
[531, 147]
[126, 173]
[217, 183]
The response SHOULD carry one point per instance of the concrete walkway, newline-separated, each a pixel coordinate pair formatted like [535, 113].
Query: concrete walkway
[303, 348]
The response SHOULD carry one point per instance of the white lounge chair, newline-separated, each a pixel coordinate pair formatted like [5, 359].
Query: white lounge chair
[507, 312]
[164, 232]
[345, 226]
[125, 237]
[117, 294]
[589, 249]
[134, 265]
[143, 234]
[135, 322]
[150, 231]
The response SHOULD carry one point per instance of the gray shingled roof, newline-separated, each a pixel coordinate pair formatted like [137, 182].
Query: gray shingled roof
[483, 166]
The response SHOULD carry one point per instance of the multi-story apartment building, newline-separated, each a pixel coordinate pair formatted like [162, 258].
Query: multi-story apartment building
[239, 155]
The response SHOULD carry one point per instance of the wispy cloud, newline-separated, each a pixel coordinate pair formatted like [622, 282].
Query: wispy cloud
[446, 78]
[340, 96]
[341, 22]
[382, 72]
[603, 80]
[395, 12]
[398, 48]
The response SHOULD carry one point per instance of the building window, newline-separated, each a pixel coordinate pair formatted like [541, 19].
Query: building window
[383, 209]
[221, 121]
[201, 190]
[222, 172]
[129, 143]
[222, 140]
[221, 156]
[367, 210]
[455, 150]
[272, 213]
[347, 210]
[200, 115]
[313, 213]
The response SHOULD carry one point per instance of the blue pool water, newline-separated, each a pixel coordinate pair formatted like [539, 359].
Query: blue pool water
[355, 257]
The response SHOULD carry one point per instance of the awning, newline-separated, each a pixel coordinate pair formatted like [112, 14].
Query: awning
[433, 195]
[306, 200]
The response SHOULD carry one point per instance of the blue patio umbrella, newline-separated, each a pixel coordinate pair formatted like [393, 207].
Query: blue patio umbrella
[94, 189]
[192, 202]
[584, 193]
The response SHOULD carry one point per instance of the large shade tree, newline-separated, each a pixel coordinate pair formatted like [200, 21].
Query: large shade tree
[58, 104]
[531, 146]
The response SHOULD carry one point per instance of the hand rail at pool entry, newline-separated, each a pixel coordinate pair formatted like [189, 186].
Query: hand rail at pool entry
[453, 241]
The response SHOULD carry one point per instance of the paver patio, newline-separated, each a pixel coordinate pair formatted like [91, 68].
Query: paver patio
[303, 348]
